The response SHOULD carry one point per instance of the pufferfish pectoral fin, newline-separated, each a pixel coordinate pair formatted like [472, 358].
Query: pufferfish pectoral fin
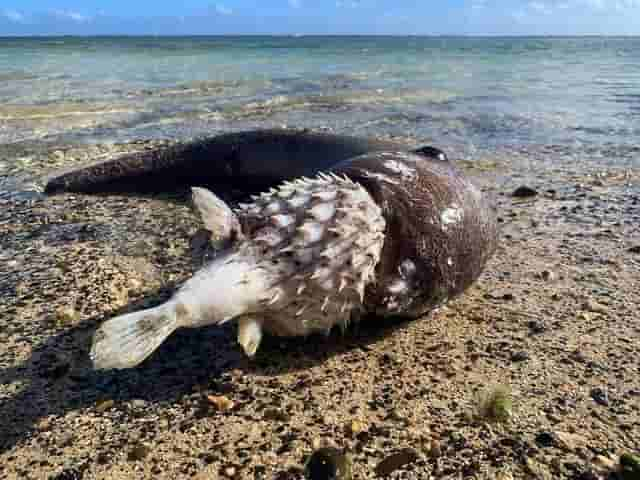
[217, 217]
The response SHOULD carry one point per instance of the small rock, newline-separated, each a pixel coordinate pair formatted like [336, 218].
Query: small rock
[570, 441]
[396, 461]
[328, 464]
[595, 307]
[520, 356]
[66, 440]
[275, 414]
[355, 427]
[600, 396]
[546, 439]
[548, 275]
[137, 403]
[538, 470]
[536, 326]
[230, 472]
[105, 405]
[435, 449]
[634, 249]
[504, 476]
[524, 192]
[138, 452]
[604, 463]
[220, 402]
[66, 314]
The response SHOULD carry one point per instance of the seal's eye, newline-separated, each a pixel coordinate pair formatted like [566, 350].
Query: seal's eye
[432, 152]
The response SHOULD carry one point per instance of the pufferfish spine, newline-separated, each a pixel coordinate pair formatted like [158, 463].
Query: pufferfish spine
[303, 256]
[320, 240]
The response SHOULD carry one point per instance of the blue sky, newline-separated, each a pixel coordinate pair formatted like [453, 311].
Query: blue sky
[423, 17]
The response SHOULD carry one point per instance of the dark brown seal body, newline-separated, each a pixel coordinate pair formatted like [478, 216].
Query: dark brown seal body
[440, 230]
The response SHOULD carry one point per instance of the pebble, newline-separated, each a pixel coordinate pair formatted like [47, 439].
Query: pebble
[634, 249]
[105, 405]
[328, 464]
[138, 452]
[595, 307]
[524, 192]
[600, 396]
[536, 326]
[604, 463]
[520, 356]
[548, 275]
[545, 439]
[570, 441]
[137, 403]
[396, 461]
[355, 427]
[275, 414]
[220, 402]
[67, 314]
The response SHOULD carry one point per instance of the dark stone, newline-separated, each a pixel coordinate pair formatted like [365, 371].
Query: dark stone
[634, 249]
[520, 356]
[546, 439]
[536, 326]
[328, 464]
[139, 452]
[524, 192]
[396, 461]
[600, 396]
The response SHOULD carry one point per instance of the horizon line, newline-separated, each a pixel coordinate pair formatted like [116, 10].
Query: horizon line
[299, 35]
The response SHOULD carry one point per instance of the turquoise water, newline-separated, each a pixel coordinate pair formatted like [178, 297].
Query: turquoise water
[471, 93]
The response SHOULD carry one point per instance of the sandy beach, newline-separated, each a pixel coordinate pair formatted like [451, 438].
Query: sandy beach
[551, 327]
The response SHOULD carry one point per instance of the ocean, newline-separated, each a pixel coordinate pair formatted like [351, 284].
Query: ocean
[472, 96]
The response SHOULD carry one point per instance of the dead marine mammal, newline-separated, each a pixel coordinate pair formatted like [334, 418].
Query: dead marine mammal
[386, 231]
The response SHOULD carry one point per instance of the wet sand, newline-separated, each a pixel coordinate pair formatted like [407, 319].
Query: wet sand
[553, 322]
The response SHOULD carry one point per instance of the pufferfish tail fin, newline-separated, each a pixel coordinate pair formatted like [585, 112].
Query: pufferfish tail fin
[126, 340]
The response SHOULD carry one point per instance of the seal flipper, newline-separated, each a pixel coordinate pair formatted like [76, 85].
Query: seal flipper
[217, 217]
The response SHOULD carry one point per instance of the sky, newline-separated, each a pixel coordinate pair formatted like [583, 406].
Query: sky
[383, 17]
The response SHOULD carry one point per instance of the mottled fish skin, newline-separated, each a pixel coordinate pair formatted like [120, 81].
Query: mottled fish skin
[320, 240]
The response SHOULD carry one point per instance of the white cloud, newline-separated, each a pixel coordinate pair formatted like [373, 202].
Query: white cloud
[348, 3]
[540, 7]
[13, 16]
[223, 10]
[295, 3]
[70, 15]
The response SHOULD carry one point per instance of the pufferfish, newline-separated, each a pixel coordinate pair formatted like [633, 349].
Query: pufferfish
[304, 254]
[350, 226]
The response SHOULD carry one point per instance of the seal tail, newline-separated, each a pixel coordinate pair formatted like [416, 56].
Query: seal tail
[125, 341]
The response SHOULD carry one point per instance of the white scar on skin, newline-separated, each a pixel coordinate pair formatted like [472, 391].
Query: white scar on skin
[401, 168]
[451, 215]
[382, 177]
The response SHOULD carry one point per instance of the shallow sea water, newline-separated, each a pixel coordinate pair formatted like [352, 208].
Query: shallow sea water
[470, 96]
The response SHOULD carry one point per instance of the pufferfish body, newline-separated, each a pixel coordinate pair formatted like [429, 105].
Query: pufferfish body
[302, 257]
